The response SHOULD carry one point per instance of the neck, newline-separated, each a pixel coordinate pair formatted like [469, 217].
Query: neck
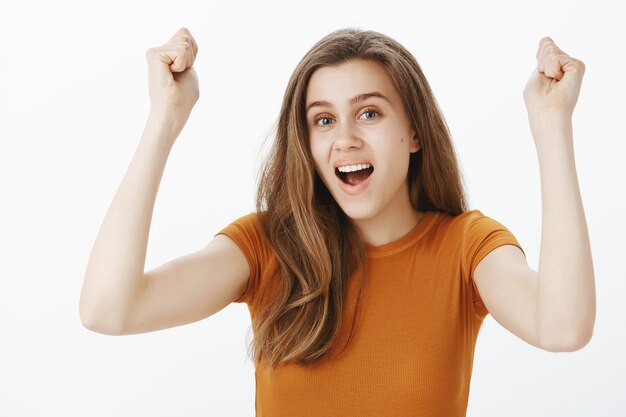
[392, 223]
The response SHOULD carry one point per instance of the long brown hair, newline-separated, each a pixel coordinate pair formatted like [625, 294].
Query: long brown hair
[317, 245]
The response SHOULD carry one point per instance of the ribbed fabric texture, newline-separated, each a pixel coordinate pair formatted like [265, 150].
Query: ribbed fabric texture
[413, 348]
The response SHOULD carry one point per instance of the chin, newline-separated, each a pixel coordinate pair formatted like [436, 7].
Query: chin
[358, 211]
[355, 210]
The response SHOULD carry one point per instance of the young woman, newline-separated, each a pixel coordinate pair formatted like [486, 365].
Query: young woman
[366, 276]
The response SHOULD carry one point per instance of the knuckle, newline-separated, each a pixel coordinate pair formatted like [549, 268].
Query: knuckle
[179, 45]
[551, 50]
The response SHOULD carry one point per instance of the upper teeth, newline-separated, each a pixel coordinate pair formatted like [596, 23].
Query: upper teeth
[351, 168]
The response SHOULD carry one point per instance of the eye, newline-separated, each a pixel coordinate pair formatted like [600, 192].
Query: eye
[373, 114]
[370, 111]
[318, 118]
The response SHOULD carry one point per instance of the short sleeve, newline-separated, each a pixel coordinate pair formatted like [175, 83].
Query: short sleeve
[247, 233]
[482, 235]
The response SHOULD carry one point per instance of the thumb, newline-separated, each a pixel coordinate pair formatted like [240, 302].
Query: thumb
[172, 61]
[178, 64]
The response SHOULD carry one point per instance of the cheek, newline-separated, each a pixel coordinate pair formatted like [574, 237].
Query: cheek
[397, 158]
[389, 140]
[318, 151]
[318, 162]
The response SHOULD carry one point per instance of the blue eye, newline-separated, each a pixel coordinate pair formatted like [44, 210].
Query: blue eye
[315, 122]
[370, 111]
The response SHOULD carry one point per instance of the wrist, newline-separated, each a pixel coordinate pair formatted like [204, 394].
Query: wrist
[548, 122]
[163, 126]
[168, 115]
[549, 115]
[165, 118]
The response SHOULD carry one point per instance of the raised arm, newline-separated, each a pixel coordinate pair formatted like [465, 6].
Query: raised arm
[114, 277]
[553, 308]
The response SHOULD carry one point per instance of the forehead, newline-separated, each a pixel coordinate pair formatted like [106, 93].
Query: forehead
[338, 83]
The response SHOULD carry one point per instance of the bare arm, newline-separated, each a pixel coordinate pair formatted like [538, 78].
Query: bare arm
[553, 308]
[189, 288]
[114, 275]
[566, 300]
[118, 298]
[115, 270]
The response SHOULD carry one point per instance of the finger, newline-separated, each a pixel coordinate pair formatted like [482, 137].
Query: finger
[179, 54]
[180, 32]
[191, 56]
[185, 44]
[184, 34]
[553, 65]
[184, 47]
[558, 66]
[194, 45]
[548, 47]
[552, 53]
[547, 50]
[551, 59]
[543, 43]
[180, 60]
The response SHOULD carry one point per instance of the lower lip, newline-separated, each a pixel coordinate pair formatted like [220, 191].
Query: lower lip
[354, 189]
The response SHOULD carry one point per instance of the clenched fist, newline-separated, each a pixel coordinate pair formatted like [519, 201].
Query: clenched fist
[173, 83]
[554, 85]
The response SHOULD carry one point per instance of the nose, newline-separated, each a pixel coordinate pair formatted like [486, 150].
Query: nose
[347, 136]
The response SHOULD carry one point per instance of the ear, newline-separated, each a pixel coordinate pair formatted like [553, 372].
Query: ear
[415, 145]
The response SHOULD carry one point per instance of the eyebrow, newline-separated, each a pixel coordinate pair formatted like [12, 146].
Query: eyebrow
[353, 100]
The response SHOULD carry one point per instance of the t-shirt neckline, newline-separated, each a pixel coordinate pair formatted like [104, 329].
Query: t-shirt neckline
[408, 239]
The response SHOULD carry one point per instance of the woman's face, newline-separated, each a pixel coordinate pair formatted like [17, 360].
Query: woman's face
[348, 126]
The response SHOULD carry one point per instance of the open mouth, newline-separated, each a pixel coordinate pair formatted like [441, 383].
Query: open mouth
[354, 177]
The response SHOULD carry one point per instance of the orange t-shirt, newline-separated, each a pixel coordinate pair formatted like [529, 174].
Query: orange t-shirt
[413, 348]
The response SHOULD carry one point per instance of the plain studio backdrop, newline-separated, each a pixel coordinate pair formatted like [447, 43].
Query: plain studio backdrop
[73, 104]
